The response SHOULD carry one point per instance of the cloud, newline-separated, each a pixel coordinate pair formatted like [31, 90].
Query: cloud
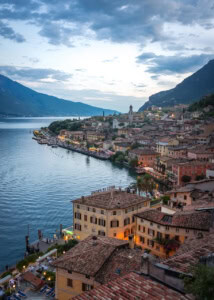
[137, 21]
[34, 74]
[8, 33]
[161, 64]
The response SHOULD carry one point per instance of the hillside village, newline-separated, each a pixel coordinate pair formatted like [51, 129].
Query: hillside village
[168, 210]
[146, 241]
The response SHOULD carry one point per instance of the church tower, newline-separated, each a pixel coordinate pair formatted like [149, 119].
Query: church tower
[130, 114]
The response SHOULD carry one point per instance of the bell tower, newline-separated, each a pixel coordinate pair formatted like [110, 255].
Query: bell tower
[130, 114]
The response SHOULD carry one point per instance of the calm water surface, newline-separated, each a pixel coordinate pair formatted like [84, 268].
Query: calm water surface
[38, 182]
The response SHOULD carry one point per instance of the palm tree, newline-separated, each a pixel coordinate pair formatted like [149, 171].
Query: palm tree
[147, 184]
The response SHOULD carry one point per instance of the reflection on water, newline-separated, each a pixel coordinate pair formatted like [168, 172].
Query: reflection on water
[38, 182]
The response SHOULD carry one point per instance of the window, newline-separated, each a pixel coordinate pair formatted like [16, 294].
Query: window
[102, 212]
[114, 234]
[177, 238]
[142, 239]
[78, 206]
[139, 227]
[93, 220]
[126, 210]
[86, 287]
[88, 208]
[126, 233]
[102, 233]
[159, 226]
[141, 220]
[167, 236]
[185, 197]
[114, 213]
[94, 209]
[159, 235]
[69, 282]
[87, 276]
[150, 243]
[77, 226]
[77, 215]
[151, 223]
[102, 222]
[85, 218]
[151, 232]
[167, 227]
[133, 219]
[133, 208]
[177, 229]
[126, 221]
[144, 229]
[187, 230]
[114, 223]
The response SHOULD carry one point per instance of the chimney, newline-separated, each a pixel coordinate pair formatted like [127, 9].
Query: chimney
[145, 263]
[131, 241]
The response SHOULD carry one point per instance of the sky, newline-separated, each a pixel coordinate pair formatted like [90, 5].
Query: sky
[106, 53]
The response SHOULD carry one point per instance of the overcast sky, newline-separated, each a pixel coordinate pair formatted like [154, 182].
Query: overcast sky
[108, 53]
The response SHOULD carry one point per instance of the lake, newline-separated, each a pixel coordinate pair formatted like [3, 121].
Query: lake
[38, 182]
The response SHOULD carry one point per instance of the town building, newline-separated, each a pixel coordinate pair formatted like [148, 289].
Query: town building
[163, 233]
[191, 193]
[93, 262]
[163, 144]
[192, 169]
[107, 213]
[146, 157]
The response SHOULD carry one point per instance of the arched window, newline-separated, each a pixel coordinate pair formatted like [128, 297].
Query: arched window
[126, 233]
[126, 221]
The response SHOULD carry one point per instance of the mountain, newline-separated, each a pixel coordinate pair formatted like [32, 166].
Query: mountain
[191, 89]
[18, 100]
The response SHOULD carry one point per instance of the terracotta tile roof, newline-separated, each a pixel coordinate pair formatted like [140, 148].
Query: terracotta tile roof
[114, 199]
[143, 152]
[132, 287]
[34, 280]
[190, 252]
[89, 255]
[122, 262]
[186, 219]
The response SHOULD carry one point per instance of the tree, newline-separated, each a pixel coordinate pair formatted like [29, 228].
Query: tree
[200, 177]
[133, 163]
[165, 199]
[145, 183]
[201, 285]
[186, 178]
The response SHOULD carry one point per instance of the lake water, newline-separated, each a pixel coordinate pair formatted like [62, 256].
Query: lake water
[38, 182]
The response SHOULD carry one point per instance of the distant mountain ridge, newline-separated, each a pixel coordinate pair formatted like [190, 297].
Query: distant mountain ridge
[18, 100]
[191, 89]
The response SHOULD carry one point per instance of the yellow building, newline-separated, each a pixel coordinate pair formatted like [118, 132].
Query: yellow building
[107, 213]
[92, 262]
[163, 144]
[162, 233]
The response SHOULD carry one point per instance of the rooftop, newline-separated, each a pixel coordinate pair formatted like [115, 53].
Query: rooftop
[191, 251]
[143, 152]
[186, 219]
[113, 199]
[132, 286]
[89, 255]
[122, 262]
